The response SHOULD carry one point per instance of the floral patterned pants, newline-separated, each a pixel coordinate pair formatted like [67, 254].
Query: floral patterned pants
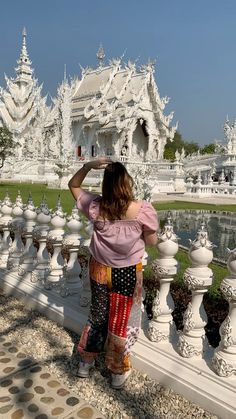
[115, 315]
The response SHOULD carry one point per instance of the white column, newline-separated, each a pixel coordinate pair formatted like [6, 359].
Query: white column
[16, 226]
[224, 360]
[161, 327]
[197, 278]
[55, 238]
[71, 243]
[40, 233]
[27, 259]
[6, 218]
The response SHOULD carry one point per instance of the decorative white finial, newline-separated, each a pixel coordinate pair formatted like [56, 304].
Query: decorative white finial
[64, 72]
[23, 70]
[24, 33]
[100, 55]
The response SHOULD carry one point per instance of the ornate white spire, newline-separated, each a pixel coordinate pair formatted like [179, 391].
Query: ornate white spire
[24, 71]
[100, 55]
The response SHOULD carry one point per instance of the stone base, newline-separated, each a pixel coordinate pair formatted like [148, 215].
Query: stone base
[193, 377]
[65, 311]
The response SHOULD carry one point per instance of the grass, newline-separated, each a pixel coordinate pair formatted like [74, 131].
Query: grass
[38, 190]
[178, 205]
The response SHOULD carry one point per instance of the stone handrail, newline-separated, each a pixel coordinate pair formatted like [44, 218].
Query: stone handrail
[41, 247]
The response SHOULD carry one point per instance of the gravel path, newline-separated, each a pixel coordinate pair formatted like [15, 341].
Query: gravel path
[142, 397]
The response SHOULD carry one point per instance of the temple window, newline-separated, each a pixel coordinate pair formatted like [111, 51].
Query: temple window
[93, 151]
[109, 152]
[79, 151]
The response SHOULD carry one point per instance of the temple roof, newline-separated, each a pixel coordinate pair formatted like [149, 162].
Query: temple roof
[112, 93]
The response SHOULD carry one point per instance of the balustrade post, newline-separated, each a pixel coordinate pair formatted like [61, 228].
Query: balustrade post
[162, 327]
[55, 238]
[224, 359]
[40, 233]
[85, 250]
[198, 278]
[71, 243]
[27, 259]
[6, 218]
[16, 226]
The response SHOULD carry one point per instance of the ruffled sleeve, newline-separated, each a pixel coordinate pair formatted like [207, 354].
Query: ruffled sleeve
[87, 203]
[148, 217]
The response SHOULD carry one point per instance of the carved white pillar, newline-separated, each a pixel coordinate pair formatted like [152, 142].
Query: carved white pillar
[224, 359]
[198, 185]
[71, 243]
[55, 237]
[198, 279]
[40, 233]
[85, 253]
[27, 259]
[16, 226]
[6, 218]
[161, 327]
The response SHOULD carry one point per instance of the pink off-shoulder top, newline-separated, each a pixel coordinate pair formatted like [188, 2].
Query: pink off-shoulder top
[117, 243]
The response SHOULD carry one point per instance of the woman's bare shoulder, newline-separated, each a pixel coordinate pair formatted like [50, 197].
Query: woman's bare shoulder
[133, 209]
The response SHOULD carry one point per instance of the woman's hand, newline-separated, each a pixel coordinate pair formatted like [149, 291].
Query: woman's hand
[100, 163]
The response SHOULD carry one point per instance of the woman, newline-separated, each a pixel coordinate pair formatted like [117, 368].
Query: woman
[122, 227]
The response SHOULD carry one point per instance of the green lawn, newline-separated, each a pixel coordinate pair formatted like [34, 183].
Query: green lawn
[38, 190]
[172, 205]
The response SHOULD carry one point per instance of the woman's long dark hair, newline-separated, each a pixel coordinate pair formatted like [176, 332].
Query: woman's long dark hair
[117, 192]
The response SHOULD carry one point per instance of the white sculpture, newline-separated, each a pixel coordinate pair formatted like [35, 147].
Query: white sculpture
[6, 209]
[224, 360]
[164, 267]
[198, 278]
[55, 238]
[16, 226]
[40, 233]
[28, 256]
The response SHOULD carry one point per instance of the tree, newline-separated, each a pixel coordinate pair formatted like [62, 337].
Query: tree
[208, 149]
[7, 145]
[178, 144]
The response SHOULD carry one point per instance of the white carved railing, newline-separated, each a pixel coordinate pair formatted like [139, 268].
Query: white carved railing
[209, 189]
[53, 277]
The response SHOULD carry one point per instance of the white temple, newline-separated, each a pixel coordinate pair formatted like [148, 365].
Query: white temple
[41, 133]
[117, 110]
[113, 110]
[211, 174]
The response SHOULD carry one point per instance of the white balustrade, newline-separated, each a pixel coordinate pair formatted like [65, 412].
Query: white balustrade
[198, 278]
[67, 280]
[224, 360]
[55, 238]
[6, 218]
[40, 233]
[161, 327]
[27, 259]
[71, 243]
[16, 225]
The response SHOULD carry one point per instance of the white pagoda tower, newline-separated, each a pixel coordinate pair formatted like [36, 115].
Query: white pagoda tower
[22, 109]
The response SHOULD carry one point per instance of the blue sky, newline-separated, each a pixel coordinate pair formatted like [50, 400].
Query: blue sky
[194, 43]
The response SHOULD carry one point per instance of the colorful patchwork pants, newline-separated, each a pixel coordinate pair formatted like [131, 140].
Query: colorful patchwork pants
[115, 315]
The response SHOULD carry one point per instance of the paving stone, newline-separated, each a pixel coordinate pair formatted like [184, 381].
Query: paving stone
[11, 360]
[29, 391]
